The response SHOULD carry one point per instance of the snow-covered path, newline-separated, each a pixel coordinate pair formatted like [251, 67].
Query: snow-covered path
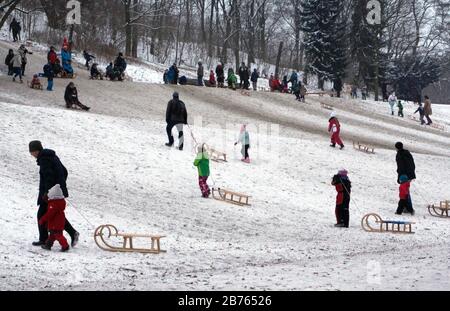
[121, 173]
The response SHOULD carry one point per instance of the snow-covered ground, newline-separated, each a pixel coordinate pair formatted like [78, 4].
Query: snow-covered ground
[120, 173]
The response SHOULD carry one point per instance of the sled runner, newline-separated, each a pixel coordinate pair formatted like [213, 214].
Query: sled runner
[245, 93]
[381, 225]
[325, 106]
[65, 75]
[364, 148]
[106, 232]
[215, 155]
[441, 210]
[35, 87]
[230, 197]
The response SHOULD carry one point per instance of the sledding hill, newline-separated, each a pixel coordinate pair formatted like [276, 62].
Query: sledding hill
[121, 173]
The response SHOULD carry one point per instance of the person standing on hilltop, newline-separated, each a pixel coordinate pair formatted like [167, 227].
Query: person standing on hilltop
[220, 73]
[428, 111]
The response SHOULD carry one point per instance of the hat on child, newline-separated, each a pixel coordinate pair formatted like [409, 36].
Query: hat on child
[404, 178]
[343, 172]
[35, 76]
[333, 115]
[55, 193]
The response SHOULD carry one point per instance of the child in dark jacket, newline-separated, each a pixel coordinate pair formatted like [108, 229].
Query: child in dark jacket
[202, 164]
[400, 109]
[404, 204]
[55, 219]
[343, 187]
[421, 112]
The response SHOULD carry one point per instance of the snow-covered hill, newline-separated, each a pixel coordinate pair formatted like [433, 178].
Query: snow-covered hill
[120, 173]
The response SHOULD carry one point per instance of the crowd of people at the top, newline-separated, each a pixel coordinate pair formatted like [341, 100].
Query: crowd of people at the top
[247, 79]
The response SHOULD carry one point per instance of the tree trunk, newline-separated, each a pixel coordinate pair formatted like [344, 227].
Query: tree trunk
[237, 35]
[280, 51]
[135, 33]
[128, 28]
[210, 36]
[8, 12]
[251, 40]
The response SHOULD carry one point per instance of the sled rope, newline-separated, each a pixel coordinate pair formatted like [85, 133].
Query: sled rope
[351, 198]
[192, 134]
[76, 209]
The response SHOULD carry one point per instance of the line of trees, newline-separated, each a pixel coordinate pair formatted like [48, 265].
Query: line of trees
[330, 39]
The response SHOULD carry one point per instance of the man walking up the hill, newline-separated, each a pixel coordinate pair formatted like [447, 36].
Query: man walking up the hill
[15, 28]
[176, 115]
[405, 167]
[51, 173]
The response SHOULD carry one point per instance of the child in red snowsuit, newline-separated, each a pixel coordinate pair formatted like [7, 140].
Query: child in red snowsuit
[405, 184]
[343, 188]
[55, 219]
[334, 128]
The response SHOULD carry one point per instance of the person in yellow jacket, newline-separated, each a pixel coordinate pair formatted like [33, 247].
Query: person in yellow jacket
[202, 164]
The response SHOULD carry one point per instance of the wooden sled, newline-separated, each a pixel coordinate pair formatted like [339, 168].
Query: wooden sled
[441, 210]
[433, 125]
[35, 87]
[403, 227]
[105, 232]
[215, 155]
[230, 197]
[325, 106]
[364, 148]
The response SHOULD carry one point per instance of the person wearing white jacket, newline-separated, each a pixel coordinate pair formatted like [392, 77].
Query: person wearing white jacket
[392, 101]
[16, 63]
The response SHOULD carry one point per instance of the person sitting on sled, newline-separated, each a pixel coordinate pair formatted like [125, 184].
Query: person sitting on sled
[404, 204]
[334, 128]
[55, 219]
[343, 188]
[35, 82]
[202, 164]
[244, 139]
[95, 73]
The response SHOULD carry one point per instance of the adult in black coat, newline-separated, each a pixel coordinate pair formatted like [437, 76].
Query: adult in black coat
[51, 172]
[8, 62]
[220, 75]
[405, 166]
[405, 163]
[71, 97]
[244, 76]
[176, 115]
[15, 28]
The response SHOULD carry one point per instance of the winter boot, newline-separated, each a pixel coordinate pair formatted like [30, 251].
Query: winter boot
[342, 147]
[75, 239]
[38, 243]
[339, 225]
[65, 249]
[247, 160]
[47, 247]
[333, 145]
[169, 145]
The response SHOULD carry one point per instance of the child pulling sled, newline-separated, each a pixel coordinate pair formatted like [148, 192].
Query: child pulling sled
[334, 128]
[343, 187]
[202, 164]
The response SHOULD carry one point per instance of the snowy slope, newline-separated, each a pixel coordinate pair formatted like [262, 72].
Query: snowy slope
[121, 173]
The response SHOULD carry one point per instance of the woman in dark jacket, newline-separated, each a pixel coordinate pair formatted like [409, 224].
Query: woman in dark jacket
[71, 97]
[8, 62]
